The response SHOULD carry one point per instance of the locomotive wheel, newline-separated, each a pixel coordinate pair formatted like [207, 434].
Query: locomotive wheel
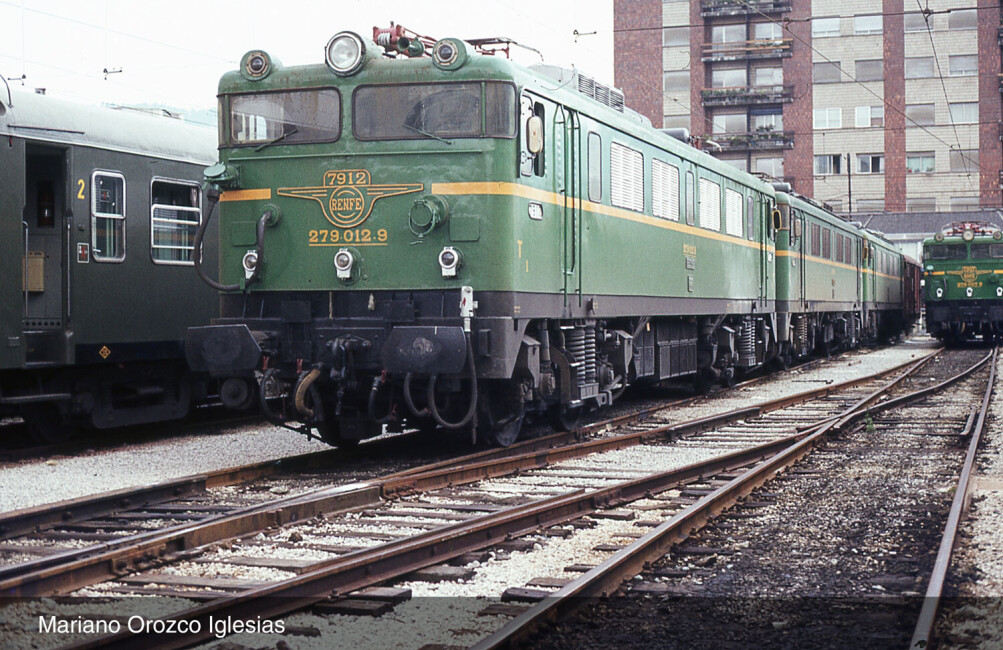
[505, 412]
[330, 432]
[46, 426]
[565, 418]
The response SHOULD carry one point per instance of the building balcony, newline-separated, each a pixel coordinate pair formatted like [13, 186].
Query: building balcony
[754, 141]
[718, 8]
[747, 95]
[770, 48]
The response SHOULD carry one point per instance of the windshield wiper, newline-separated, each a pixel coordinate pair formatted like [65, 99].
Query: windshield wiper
[278, 139]
[427, 134]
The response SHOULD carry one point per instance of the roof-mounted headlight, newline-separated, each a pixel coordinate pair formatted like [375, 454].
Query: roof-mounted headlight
[345, 53]
[449, 54]
[255, 65]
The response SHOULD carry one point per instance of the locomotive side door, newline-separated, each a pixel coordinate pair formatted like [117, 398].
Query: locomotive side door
[568, 184]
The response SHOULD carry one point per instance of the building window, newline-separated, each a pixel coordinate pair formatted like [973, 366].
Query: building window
[822, 27]
[964, 203]
[870, 163]
[863, 25]
[768, 31]
[866, 116]
[664, 190]
[773, 167]
[768, 76]
[675, 37]
[828, 164]
[963, 19]
[729, 123]
[920, 163]
[963, 65]
[964, 112]
[710, 205]
[919, 114]
[676, 121]
[728, 33]
[827, 118]
[919, 67]
[871, 70]
[738, 163]
[825, 72]
[921, 204]
[676, 81]
[626, 177]
[915, 22]
[108, 217]
[729, 78]
[870, 205]
[175, 215]
[768, 122]
[966, 161]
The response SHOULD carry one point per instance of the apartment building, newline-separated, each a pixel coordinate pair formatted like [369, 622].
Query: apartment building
[870, 106]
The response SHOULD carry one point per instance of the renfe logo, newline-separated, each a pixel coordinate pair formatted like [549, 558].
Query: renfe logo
[347, 196]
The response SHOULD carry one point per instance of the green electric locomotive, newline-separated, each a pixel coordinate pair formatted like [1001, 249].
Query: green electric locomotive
[99, 213]
[420, 234]
[963, 265]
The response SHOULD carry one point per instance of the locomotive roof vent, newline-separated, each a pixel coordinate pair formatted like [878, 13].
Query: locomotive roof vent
[586, 85]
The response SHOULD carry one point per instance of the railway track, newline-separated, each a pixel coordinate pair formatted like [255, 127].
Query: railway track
[356, 563]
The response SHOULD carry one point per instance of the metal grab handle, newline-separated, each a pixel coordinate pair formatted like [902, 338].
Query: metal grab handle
[24, 273]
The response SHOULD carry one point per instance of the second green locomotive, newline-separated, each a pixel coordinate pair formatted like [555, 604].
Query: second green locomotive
[963, 266]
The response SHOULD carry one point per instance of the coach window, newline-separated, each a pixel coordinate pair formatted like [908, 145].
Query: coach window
[595, 167]
[175, 215]
[710, 205]
[108, 216]
[733, 217]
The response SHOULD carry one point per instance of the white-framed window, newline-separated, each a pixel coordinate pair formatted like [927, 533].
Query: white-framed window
[107, 216]
[729, 78]
[822, 27]
[735, 33]
[963, 65]
[772, 166]
[870, 163]
[664, 190]
[827, 118]
[919, 67]
[733, 216]
[863, 25]
[828, 164]
[722, 123]
[966, 160]
[919, 114]
[915, 22]
[768, 122]
[767, 31]
[676, 80]
[868, 116]
[964, 112]
[710, 205]
[963, 19]
[175, 215]
[675, 37]
[626, 177]
[922, 162]
[921, 204]
[870, 205]
[869, 70]
[964, 203]
[825, 72]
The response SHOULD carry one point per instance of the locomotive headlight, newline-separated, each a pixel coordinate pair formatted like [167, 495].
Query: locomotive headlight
[969, 292]
[940, 292]
[255, 65]
[968, 235]
[343, 263]
[250, 264]
[345, 53]
[999, 292]
[449, 54]
[449, 261]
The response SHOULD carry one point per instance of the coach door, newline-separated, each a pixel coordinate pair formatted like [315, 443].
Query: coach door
[568, 157]
[44, 251]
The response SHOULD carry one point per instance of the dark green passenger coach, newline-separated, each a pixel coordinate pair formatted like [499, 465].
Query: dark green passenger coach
[97, 222]
[454, 240]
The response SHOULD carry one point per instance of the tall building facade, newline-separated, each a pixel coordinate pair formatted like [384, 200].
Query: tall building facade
[868, 105]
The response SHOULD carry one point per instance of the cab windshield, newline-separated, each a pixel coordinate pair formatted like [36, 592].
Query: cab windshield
[946, 252]
[287, 117]
[987, 251]
[437, 111]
